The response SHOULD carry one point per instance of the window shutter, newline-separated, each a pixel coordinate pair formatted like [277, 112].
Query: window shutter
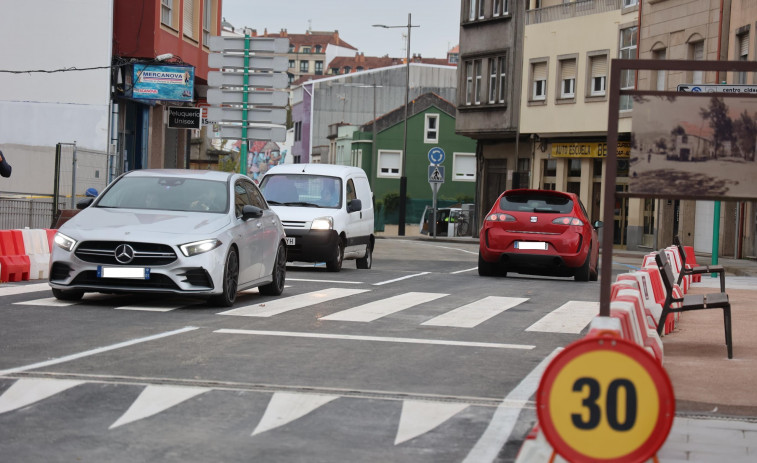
[568, 69]
[189, 18]
[540, 71]
[599, 66]
[744, 45]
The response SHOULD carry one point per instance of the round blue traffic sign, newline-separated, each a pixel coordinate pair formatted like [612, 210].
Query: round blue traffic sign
[436, 155]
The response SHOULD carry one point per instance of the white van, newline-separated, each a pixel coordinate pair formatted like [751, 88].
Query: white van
[326, 210]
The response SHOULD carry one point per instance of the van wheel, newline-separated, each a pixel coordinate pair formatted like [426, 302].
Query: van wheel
[334, 264]
[367, 261]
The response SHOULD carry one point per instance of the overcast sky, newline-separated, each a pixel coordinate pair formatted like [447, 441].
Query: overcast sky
[439, 22]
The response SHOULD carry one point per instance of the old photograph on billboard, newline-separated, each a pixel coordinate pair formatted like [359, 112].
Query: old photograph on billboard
[686, 146]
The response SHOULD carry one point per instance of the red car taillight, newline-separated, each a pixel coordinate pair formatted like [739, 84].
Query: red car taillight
[568, 221]
[499, 217]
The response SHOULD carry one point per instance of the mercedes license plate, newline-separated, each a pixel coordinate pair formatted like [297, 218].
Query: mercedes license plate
[136, 273]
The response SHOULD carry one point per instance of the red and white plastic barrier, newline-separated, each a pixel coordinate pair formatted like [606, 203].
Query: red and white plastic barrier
[25, 254]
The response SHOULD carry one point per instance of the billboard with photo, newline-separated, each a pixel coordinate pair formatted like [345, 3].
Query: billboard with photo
[162, 82]
[693, 145]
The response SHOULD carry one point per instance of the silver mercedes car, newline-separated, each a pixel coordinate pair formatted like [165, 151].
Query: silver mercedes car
[188, 232]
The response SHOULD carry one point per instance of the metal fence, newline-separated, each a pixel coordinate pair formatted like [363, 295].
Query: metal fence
[26, 213]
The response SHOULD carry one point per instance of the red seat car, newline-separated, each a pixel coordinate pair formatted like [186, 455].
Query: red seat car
[539, 232]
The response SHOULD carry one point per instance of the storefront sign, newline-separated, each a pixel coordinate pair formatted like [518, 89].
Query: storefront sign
[588, 150]
[156, 82]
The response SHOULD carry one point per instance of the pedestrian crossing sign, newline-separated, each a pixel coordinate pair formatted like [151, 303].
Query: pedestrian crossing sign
[435, 174]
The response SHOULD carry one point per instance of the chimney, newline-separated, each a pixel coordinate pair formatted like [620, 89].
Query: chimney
[283, 33]
[336, 37]
[254, 32]
[265, 32]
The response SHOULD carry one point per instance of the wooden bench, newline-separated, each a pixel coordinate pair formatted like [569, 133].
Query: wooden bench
[699, 269]
[691, 301]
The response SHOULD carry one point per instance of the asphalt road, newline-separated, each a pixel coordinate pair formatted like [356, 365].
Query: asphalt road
[418, 359]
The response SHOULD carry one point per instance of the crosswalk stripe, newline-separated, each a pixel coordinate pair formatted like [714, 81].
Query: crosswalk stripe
[377, 309]
[279, 306]
[475, 313]
[571, 317]
[47, 302]
[21, 289]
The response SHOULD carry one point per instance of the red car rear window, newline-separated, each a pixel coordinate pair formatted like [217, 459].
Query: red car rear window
[536, 203]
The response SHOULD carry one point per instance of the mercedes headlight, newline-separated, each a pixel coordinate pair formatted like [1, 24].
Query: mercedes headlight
[64, 242]
[198, 247]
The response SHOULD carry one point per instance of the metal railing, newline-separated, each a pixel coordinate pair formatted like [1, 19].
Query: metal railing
[26, 213]
[571, 10]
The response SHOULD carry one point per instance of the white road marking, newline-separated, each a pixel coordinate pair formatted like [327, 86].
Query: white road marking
[278, 306]
[475, 313]
[438, 342]
[21, 289]
[463, 271]
[47, 302]
[400, 279]
[571, 317]
[326, 281]
[27, 391]
[377, 309]
[99, 350]
[286, 407]
[506, 416]
[156, 399]
[419, 417]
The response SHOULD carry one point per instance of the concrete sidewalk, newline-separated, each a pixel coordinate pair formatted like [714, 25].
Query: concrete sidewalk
[716, 398]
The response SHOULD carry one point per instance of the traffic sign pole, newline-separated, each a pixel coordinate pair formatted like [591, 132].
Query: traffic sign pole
[245, 83]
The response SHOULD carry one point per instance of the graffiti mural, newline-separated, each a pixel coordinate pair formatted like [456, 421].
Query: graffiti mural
[262, 156]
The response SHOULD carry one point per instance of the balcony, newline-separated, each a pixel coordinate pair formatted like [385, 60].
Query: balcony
[571, 10]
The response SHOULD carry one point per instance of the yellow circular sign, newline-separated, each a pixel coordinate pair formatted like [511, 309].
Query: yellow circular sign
[605, 399]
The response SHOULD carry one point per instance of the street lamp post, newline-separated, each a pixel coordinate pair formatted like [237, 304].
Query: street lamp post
[403, 176]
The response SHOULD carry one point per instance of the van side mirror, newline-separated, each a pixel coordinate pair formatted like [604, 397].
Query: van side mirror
[251, 212]
[354, 205]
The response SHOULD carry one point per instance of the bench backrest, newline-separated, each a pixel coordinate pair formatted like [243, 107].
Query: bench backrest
[681, 250]
[667, 274]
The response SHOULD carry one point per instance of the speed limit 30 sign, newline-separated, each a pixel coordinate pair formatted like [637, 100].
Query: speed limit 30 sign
[605, 399]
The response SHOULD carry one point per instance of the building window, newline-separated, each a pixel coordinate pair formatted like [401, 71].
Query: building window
[628, 42]
[493, 70]
[359, 68]
[476, 9]
[431, 132]
[497, 76]
[167, 11]
[477, 73]
[207, 21]
[660, 77]
[743, 55]
[598, 75]
[502, 60]
[463, 167]
[304, 66]
[539, 81]
[291, 48]
[298, 131]
[499, 8]
[347, 69]
[468, 82]
[335, 71]
[389, 163]
[630, 3]
[357, 158]
[696, 53]
[291, 64]
[305, 50]
[318, 68]
[189, 19]
[318, 48]
[473, 82]
[574, 168]
[567, 78]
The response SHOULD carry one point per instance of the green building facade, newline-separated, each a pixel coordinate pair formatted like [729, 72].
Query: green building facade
[430, 124]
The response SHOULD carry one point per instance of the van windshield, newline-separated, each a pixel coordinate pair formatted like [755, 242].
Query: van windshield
[302, 190]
